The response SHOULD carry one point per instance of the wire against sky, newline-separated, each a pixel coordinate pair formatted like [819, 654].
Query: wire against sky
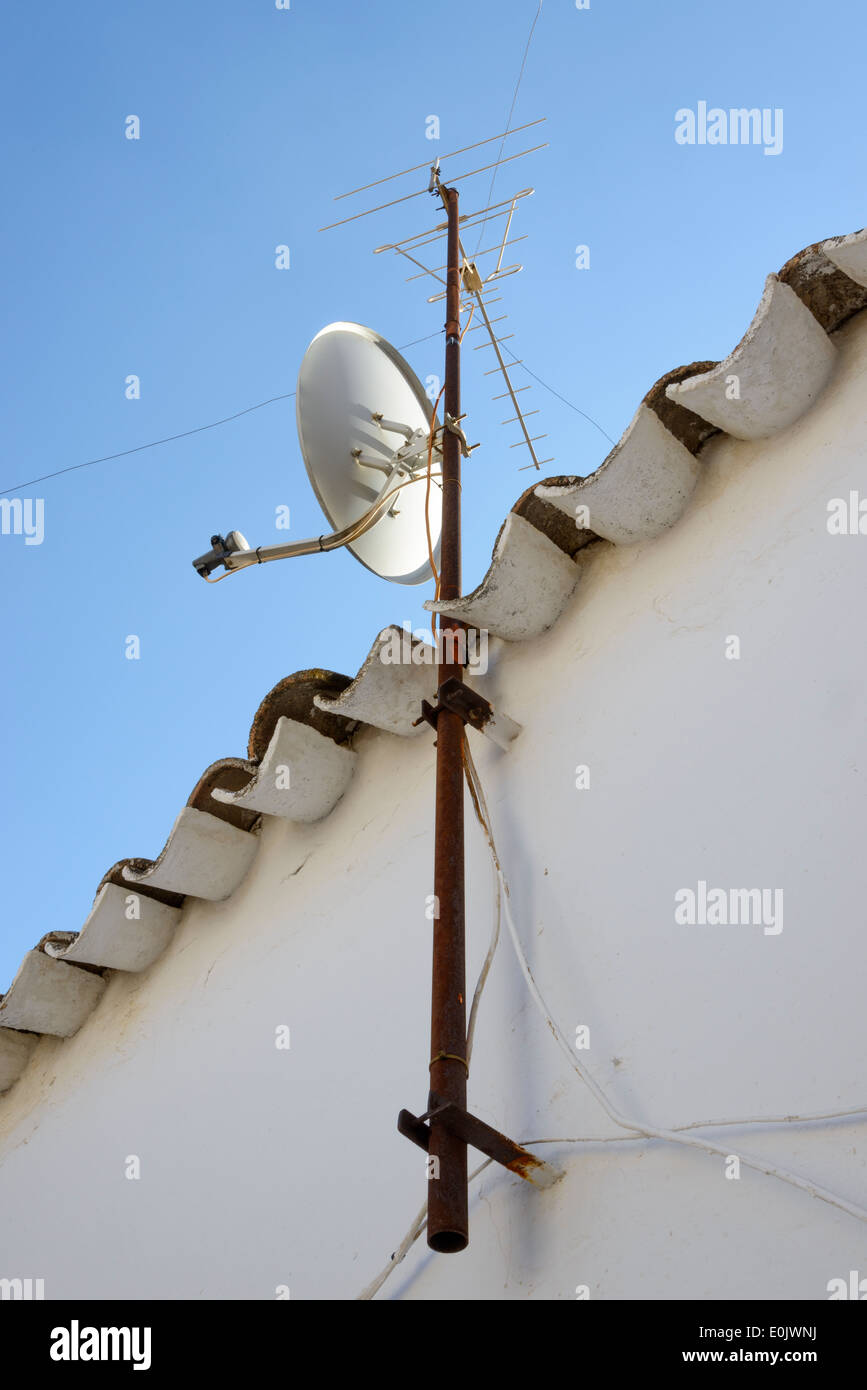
[185, 434]
[106, 458]
[287, 395]
[511, 112]
[578, 411]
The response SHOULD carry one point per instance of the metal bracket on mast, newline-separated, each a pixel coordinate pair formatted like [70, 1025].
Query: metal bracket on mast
[473, 709]
[471, 278]
[474, 1131]
[452, 424]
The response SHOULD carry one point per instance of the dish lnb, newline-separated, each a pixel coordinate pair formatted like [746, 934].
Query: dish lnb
[221, 548]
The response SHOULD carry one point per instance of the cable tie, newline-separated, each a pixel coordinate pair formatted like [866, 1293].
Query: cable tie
[449, 1057]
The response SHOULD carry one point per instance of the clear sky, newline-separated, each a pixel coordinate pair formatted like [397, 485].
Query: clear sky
[156, 257]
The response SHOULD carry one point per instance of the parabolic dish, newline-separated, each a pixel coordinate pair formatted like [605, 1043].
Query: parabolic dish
[349, 373]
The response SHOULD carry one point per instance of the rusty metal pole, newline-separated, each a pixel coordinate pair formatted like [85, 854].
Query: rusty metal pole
[447, 1224]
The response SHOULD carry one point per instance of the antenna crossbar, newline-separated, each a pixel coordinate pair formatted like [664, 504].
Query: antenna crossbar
[491, 280]
[439, 230]
[399, 251]
[479, 327]
[521, 442]
[414, 168]
[489, 251]
[513, 418]
[492, 371]
[458, 178]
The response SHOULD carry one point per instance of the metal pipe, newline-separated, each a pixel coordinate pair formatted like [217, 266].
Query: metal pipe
[448, 1222]
[289, 550]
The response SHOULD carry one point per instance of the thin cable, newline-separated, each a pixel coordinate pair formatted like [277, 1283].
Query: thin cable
[412, 1235]
[616, 1116]
[433, 616]
[168, 440]
[185, 434]
[486, 966]
[430, 443]
[587, 417]
[637, 1133]
[426, 339]
[860, 1110]
[498, 904]
[483, 816]
[511, 110]
[397, 1256]
[430, 554]
[578, 411]
[420, 1221]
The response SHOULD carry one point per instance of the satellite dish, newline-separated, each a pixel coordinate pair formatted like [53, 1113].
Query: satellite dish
[364, 419]
[364, 425]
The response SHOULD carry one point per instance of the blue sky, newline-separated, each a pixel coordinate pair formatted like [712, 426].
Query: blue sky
[156, 258]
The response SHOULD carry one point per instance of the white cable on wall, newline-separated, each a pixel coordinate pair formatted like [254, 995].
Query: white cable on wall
[673, 1136]
[637, 1131]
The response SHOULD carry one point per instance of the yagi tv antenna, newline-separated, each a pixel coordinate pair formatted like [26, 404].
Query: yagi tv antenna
[388, 478]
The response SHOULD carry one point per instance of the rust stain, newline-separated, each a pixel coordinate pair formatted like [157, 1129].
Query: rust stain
[525, 1167]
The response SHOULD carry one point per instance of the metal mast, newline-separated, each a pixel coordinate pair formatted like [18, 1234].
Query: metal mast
[448, 1227]
[446, 1128]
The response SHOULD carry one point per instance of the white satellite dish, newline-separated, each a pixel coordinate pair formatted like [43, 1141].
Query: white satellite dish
[364, 420]
[364, 425]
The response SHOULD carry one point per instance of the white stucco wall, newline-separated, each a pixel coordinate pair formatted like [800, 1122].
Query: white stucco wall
[262, 1167]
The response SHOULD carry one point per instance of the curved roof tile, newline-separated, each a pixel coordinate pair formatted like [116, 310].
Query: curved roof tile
[784, 361]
